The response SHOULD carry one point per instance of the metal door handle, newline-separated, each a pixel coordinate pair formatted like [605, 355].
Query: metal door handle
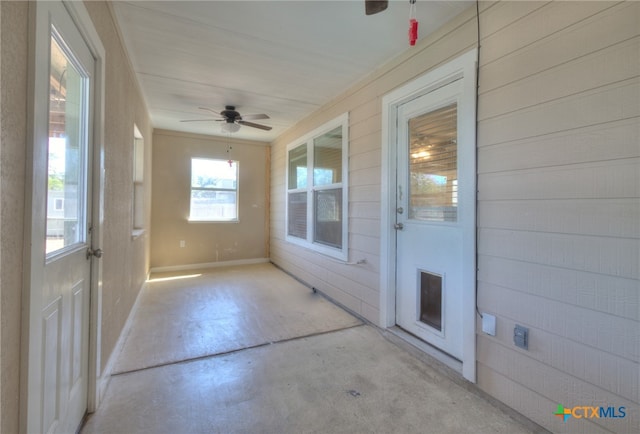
[97, 253]
[398, 226]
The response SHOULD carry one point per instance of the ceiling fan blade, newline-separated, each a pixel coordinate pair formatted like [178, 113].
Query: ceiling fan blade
[255, 117]
[201, 120]
[209, 110]
[374, 6]
[251, 124]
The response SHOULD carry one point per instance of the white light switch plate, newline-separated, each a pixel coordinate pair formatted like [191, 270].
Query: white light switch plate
[489, 324]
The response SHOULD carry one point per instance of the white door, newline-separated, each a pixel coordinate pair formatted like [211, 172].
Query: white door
[434, 178]
[61, 224]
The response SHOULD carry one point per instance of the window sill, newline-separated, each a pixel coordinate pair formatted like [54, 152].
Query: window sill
[213, 221]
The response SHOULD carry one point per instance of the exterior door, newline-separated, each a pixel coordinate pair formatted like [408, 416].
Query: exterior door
[433, 177]
[61, 225]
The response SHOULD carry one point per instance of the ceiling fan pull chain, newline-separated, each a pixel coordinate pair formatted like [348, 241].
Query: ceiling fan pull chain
[413, 23]
[229, 147]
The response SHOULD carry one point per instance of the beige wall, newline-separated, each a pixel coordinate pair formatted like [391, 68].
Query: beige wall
[125, 262]
[206, 243]
[558, 210]
[13, 93]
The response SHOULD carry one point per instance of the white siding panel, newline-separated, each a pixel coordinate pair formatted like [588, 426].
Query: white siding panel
[603, 217]
[614, 25]
[369, 210]
[361, 226]
[601, 142]
[611, 256]
[606, 104]
[618, 63]
[547, 381]
[559, 207]
[370, 313]
[365, 193]
[603, 180]
[368, 176]
[599, 368]
[536, 406]
[365, 243]
[608, 294]
[604, 333]
[496, 15]
[366, 160]
[516, 26]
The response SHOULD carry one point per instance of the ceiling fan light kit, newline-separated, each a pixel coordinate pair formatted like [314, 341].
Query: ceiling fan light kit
[230, 127]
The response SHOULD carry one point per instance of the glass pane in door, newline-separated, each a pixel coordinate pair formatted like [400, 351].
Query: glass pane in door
[68, 119]
[433, 166]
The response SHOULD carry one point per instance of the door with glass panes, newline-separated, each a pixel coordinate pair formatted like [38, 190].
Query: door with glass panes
[61, 254]
[432, 179]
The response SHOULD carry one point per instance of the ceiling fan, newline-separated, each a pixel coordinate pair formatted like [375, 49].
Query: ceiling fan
[233, 119]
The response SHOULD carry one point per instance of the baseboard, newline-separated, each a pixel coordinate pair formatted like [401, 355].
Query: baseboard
[208, 265]
[105, 376]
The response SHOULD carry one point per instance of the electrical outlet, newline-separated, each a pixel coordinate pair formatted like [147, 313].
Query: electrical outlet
[488, 324]
[183, 243]
[521, 337]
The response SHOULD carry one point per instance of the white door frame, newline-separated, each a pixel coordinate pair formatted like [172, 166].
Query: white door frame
[33, 264]
[462, 67]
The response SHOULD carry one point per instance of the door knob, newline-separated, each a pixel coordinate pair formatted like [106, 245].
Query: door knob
[398, 226]
[97, 253]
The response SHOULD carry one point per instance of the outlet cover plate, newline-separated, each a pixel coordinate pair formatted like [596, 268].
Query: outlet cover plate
[521, 337]
[488, 324]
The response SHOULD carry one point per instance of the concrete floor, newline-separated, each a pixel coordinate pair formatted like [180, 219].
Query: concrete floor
[251, 350]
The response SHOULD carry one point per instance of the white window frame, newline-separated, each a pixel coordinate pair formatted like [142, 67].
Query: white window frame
[138, 216]
[236, 190]
[308, 140]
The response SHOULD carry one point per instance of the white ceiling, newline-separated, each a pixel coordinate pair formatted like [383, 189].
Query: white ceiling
[282, 58]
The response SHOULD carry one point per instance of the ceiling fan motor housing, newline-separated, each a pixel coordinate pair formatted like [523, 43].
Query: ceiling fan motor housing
[230, 113]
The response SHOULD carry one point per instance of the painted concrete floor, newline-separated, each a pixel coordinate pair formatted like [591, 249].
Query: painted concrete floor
[211, 354]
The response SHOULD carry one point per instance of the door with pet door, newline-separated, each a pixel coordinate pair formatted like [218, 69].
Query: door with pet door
[433, 181]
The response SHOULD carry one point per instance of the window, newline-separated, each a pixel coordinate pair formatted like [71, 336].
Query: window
[214, 190]
[67, 149]
[316, 197]
[138, 182]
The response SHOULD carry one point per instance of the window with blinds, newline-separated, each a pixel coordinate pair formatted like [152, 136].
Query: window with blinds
[433, 166]
[316, 214]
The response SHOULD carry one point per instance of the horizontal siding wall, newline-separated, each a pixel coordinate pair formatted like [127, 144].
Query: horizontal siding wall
[559, 208]
[558, 201]
[357, 287]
